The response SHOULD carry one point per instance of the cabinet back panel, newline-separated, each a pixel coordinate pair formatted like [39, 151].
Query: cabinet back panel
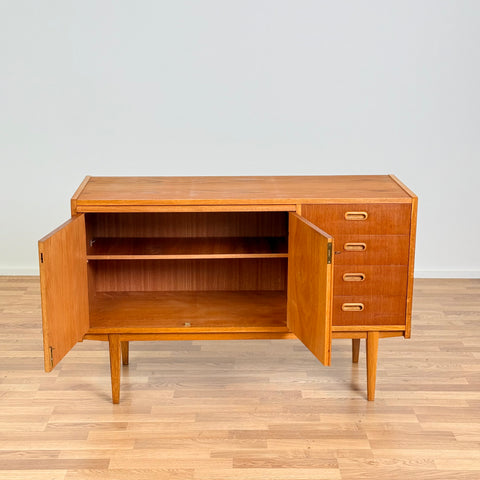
[189, 275]
[185, 225]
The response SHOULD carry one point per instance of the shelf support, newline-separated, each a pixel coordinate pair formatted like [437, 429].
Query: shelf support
[115, 354]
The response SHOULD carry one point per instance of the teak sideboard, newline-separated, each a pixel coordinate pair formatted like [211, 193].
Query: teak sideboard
[188, 258]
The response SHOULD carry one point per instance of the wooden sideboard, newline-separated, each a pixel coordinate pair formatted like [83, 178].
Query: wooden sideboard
[188, 258]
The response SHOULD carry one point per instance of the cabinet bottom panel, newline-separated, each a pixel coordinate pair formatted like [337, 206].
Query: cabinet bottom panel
[188, 312]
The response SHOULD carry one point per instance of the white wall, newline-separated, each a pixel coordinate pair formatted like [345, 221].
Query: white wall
[241, 87]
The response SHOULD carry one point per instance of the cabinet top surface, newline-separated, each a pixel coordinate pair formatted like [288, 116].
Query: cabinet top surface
[239, 190]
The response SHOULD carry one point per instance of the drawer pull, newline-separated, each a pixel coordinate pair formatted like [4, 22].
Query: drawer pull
[354, 277]
[353, 307]
[356, 215]
[355, 247]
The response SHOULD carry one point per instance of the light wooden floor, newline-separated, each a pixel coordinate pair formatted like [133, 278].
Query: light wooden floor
[245, 409]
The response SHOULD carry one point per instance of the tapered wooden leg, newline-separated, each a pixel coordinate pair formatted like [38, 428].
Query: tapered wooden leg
[372, 353]
[124, 352]
[355, 349]
[115, 351]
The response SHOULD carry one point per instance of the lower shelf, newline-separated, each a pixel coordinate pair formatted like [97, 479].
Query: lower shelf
[184, 312]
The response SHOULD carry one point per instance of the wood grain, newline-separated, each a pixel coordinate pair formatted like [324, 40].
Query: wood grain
[189, 275]
[411, 264]
[355, 349]
[309, 292]
[187, 224]
[263, 207]
[73, 201]
[256, 409]
[380, 250]
[379, 280]
[372, 355]
[378, 310]
[63, 269]
[114, 191]
[386, 235]
[115, 356]
[188, 312]
[382, 219]
[187, 248]
[125, 352]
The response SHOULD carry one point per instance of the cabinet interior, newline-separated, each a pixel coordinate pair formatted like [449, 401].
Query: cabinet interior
[218, 270]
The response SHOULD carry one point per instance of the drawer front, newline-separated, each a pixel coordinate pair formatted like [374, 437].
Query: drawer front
[361, 218]
[371, 249]
[370, 280]
[354, 310]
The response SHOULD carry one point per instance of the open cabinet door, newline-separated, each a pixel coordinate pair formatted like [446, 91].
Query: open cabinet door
[309, 291]
[64, 289]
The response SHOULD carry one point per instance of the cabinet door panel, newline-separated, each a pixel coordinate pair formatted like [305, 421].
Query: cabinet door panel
[309, 291]
[63, 282]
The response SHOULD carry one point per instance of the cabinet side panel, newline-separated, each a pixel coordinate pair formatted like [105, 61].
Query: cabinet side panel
[411, 265]
[411, 259]
[63, 280]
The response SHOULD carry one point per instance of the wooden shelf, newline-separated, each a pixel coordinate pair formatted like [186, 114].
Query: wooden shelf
[187, 248]
[189, 312]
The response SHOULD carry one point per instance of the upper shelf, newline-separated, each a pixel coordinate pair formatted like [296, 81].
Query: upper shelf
[187, 248]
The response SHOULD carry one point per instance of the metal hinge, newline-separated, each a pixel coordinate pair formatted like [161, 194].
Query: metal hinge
[329, 253]
[51, 356]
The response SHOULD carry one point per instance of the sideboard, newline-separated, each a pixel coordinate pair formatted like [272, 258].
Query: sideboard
[221, 258]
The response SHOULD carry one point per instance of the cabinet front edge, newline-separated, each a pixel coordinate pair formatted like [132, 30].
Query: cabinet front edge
[368, 328]
[78, 191]
[184, 205]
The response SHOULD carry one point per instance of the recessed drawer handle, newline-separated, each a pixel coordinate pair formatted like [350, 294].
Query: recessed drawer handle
[354, 277]
[356, 215]
[353, 307]
[355, 247]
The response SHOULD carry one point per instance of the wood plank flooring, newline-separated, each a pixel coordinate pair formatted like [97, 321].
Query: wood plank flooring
[245, 409]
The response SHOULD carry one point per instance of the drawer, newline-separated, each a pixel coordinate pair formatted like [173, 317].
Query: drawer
[370, 280]
[362, 218]
[371, 249]
[352, 310]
